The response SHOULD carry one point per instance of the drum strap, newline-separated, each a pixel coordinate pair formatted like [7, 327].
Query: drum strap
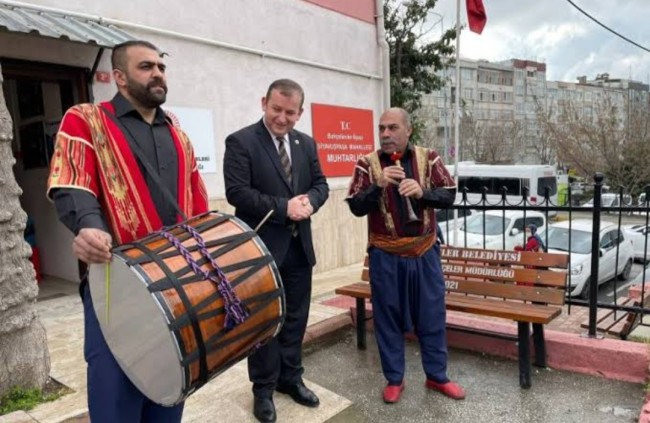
[254, 265]
[262, 299]
[145, 162]
[216, 341]
[216, 221]
[189, 309]
[232, 242]
[236, 313]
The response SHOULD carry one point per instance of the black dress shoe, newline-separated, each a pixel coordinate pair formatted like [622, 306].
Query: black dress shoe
[264, 410]
[300, 394]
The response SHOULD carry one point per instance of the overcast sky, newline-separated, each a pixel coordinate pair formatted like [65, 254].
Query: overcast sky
[554, 32]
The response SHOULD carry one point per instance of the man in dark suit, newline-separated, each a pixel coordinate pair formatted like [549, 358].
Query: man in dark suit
[269, 166]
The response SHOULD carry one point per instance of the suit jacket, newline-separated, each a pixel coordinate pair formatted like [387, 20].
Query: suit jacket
[256, 183]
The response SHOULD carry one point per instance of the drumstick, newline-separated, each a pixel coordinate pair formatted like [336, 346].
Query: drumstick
[108, 292]
[264, 220]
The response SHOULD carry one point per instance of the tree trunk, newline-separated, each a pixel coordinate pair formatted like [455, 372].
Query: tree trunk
[24, 358]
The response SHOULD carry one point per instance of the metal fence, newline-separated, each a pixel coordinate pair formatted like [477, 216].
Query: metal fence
[580, 230]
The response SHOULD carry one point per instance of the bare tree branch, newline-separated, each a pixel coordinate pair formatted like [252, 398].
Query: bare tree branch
[601, 139]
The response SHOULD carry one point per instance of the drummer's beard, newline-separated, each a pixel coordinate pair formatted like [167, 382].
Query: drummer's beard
[151, 95]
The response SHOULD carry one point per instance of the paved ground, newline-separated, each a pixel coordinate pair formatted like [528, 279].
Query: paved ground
[491, 383]
[226, 398]
[349, 382]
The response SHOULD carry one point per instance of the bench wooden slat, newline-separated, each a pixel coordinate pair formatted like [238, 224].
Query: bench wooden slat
[525, 258]
[356, 290]
[495, 308]
[502, 273]
[365, 275]
[605, 318]
[477, 305]
[623, 323]
[362, 290]
[633, 318]
[507, 291]
[612, 320]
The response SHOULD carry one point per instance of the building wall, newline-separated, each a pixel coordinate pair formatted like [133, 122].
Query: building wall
[230, 83]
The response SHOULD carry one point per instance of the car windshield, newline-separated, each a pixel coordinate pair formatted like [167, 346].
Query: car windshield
[493, 224]
[558, 239]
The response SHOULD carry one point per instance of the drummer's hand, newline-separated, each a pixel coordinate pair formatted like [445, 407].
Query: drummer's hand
[92, 246]
[299, 208]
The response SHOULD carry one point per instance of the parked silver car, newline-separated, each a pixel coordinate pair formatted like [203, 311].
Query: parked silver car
[580, 233]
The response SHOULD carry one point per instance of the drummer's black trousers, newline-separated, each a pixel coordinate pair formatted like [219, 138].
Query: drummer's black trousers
[279, 362]
[111, 395]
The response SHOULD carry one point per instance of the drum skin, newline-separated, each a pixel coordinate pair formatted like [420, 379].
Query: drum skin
[165, 324]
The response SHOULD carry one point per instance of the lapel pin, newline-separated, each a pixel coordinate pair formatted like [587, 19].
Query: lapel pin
[296, 141]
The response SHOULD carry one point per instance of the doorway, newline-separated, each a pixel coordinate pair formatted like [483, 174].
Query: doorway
[37, 95]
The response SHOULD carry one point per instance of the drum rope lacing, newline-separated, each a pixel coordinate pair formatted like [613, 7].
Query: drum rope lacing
[236, 312]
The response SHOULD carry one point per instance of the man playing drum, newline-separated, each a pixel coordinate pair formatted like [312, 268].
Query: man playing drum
[104, 194]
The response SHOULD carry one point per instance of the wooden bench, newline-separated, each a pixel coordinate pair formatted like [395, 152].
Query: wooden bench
[618, 323]
[513, 285]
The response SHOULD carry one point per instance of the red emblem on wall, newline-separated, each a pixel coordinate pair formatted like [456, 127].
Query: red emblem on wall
[343, 135]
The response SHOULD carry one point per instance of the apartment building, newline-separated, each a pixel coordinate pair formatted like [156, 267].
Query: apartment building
[501, 102]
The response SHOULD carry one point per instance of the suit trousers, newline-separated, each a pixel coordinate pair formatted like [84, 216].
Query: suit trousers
[279, 361]
[408, 294]
[111, 395]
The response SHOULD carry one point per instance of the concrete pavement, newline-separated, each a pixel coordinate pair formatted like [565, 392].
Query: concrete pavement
[227, 397]
[491, 383]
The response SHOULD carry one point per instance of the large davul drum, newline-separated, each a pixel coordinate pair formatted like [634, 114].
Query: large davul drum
[184, 304]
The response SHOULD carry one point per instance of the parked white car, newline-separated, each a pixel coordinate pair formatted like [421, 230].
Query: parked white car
[501, 231]
[639, 235]
[610, 200]
[557, 241]
[445, 218]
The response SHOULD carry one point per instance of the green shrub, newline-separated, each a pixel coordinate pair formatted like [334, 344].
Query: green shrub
[25, 399]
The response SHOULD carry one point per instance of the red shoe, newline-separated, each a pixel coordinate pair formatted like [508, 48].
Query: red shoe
[450, 389]
[392, 393]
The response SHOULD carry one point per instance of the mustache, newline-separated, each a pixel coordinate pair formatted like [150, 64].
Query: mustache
[157, 83]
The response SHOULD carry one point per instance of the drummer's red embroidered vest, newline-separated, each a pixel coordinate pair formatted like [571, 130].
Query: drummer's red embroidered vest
[92, 154]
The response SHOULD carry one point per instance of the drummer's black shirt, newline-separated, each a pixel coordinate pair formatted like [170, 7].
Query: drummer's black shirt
[79, 209]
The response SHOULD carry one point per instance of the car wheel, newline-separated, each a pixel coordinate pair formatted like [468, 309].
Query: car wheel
[584, 294]
[627, 270]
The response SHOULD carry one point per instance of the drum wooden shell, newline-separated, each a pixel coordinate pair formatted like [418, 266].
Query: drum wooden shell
[165, 324]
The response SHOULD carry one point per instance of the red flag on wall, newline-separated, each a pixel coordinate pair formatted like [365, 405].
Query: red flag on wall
[476, 16]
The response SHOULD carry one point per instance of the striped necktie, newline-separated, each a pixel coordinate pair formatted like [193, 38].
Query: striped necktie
[284, 158]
